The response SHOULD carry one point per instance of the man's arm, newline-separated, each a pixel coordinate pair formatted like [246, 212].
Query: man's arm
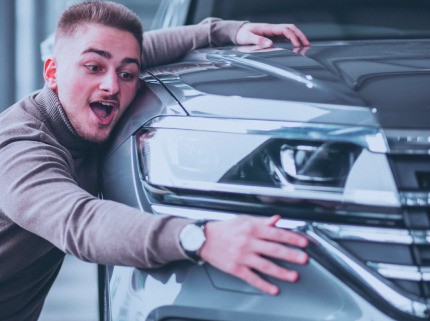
[167, 45]
[40, 194]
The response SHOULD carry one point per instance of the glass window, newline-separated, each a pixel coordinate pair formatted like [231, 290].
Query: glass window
[328, 19]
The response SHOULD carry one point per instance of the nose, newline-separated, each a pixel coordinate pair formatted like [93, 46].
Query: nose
[110, 83]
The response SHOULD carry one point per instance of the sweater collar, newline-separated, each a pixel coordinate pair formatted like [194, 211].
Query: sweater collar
[49, 105]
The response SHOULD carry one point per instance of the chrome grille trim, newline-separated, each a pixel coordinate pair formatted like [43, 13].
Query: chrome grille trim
[365, 233]
[415, 307]
[398, 272]
[417, 199]
[375, 234]
[408, 141]
[402, 272]
[331, 250]
[425, 271]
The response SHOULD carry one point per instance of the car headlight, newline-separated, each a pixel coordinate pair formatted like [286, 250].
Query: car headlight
[266, 159]
[332, 182]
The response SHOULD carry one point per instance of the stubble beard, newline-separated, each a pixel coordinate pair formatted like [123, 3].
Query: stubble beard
[100, 135]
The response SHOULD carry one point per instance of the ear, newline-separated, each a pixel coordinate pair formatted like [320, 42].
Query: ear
[50, 73]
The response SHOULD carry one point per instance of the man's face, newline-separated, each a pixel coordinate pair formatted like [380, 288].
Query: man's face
[95, 74]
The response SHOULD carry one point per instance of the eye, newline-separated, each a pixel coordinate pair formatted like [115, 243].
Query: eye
[126, 75]
[94, 68]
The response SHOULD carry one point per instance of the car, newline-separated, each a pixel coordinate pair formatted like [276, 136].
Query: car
[334, 137]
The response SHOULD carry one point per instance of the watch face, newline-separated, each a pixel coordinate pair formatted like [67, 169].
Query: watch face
[192, 238]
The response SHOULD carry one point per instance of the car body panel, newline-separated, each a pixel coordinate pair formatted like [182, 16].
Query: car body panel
[215, 297]
[320, 76]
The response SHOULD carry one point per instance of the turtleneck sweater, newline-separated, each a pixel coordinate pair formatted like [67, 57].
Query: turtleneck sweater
[49, 185]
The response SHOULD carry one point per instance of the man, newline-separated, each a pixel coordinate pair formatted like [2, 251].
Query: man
[48, 164]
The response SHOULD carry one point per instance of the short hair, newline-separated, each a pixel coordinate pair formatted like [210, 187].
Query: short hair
[107, 13]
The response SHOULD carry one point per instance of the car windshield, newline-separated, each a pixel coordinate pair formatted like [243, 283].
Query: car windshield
[335, 19]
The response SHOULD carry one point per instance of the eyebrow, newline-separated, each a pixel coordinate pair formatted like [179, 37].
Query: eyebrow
[107, 55]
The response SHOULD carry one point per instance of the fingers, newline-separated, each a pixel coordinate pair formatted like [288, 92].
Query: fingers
[256, 33]
[289, 34]
[271, 221]
[279, 251]
[258, 282]
[268, 232]
[304, 40]
[295, 35]
[254, 264]
[271, 269]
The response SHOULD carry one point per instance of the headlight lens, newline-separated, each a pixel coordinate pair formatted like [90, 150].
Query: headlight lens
[287, 160]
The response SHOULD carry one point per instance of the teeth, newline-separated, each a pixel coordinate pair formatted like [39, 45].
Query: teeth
[106, 104]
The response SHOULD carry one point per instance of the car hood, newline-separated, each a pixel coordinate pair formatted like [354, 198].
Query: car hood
[373, 83]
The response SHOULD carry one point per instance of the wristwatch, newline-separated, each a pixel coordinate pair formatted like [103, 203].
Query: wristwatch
[191, 238]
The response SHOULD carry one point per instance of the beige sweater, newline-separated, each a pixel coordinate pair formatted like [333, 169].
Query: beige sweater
[48, 184]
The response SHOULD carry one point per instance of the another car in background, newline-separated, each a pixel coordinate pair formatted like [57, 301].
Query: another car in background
[334, 137]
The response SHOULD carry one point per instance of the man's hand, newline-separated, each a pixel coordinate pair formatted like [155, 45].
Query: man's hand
[243, 246]
[256, 33]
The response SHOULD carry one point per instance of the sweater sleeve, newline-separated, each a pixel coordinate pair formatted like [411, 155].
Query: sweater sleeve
[167, 45]
[41, 196]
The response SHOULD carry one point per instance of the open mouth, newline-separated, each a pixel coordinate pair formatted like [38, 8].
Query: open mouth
[102, 109]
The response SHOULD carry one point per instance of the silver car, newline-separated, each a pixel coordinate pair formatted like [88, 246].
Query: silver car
[334, 137]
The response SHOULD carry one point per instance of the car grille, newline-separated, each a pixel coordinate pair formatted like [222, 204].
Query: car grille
[400, 255]
[410, 164]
